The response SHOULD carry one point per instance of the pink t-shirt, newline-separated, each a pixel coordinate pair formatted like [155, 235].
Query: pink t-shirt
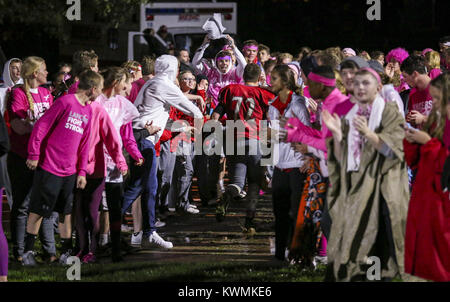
[421, 101]
[103, 134]
[135, 87]
[73, 88]
[434, 73]
[20, 108]
[60, 139]
[121, 112]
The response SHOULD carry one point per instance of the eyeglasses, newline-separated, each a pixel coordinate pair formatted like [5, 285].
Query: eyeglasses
[188, 79]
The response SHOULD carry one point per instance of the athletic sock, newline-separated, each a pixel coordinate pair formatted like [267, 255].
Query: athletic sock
[29, 241]
[66, 244]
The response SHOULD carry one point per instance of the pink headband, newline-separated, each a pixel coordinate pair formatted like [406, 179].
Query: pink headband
[320, 79]
[373, 72]
[424, 52]
[253, 47]
[224, 58]
[134, 69]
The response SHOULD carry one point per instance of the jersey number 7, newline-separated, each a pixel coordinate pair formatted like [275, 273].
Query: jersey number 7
[250, 102]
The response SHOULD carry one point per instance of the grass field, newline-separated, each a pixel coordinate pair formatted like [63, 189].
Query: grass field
[168, 272]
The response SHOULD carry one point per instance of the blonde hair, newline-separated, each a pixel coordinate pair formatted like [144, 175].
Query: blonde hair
[433, 59]
[29, 67]
[339, 83]
[284, 55]
[148, 66]
[82, 60]
[131, 66]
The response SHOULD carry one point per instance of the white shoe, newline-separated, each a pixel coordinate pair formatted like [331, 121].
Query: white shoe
[321, 260]
[103, 239]
[28, 259]
[136, 239]
[159, 223]
[157, 241]
[192, 210]
[64, 257]
[193, 206]
[172, 209]
[125, 228]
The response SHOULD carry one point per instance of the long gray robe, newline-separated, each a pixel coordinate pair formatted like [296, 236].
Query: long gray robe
[355, 199]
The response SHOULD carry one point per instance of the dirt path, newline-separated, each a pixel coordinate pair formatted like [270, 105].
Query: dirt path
[200, 237]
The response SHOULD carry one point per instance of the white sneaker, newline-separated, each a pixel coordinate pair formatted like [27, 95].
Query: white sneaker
[103, 239]
[172, 209]
[193, 206]
[192, 210]
[157, 241]
[64, 257]
[125, 228]
[159, 223]
[321, 260]
[28, 259]
[136, 239]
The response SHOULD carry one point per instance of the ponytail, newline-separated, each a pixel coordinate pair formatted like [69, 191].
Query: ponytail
[30, 66]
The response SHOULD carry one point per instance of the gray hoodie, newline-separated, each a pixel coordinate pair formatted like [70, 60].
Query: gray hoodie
[160, 93]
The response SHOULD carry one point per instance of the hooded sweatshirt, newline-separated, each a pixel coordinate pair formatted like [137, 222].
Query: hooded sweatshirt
[103, 135]
[217, 79]
[122, 112]
[158, 95]
[286, 157]
[7, 84]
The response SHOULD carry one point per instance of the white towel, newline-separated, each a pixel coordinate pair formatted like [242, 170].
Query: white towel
[213, 26]
[373, 123]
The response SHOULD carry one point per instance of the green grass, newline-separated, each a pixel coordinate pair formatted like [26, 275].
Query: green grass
[168, 272]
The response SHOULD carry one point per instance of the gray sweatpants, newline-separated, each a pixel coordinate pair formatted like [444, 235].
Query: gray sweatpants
[166, 165]
[182, 177]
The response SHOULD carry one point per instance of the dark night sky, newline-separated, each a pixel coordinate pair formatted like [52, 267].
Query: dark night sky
[289, 24]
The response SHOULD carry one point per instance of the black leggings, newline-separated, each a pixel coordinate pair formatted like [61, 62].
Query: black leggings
[287, 188]
[114, 198]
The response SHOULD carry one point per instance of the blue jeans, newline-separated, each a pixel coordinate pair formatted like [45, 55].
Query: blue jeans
[143, 180]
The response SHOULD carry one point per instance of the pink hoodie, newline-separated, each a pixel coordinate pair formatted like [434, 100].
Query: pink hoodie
[218, 80]
[103, 134]
[60, 138]
[336, 102]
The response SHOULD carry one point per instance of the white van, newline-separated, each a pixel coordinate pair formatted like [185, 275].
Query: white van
[183, 20]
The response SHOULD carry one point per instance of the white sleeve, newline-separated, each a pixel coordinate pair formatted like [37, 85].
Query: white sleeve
[197, 62]
[241, 62]
[176, 98]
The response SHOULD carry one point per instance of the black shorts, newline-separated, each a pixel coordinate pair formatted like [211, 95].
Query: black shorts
[51, 193]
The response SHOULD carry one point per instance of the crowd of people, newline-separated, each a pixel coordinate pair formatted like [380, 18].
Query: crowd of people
[353, 147]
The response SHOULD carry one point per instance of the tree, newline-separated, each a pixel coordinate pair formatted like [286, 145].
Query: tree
[50, 15]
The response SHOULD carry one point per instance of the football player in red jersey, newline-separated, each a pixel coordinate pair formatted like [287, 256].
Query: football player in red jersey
[246, 105]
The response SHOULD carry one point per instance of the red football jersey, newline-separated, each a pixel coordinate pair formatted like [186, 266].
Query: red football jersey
[246, 103]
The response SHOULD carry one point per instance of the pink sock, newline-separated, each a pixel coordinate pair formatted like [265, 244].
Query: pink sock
[323, 246]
